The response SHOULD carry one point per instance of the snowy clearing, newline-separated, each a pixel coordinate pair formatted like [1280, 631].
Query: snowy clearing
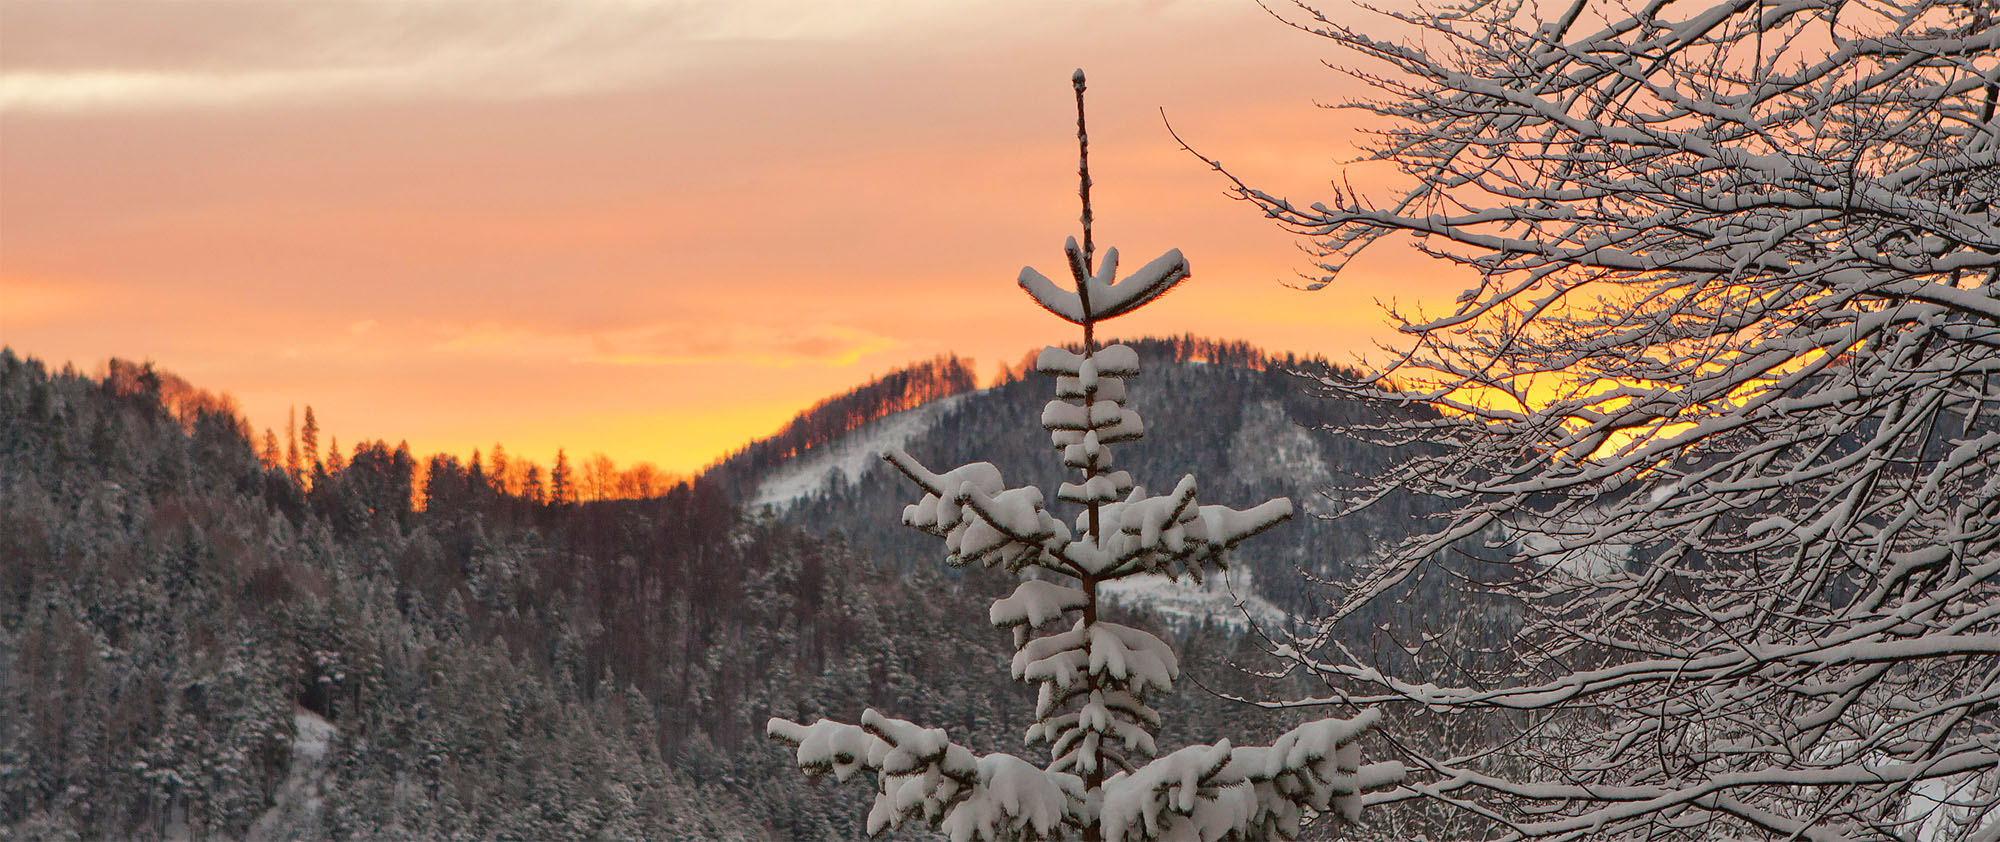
[295, 810]
[1183, 603]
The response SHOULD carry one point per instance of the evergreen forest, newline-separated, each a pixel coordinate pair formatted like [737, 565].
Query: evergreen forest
[173, 605]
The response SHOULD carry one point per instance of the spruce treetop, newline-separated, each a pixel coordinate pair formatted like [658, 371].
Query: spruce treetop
[1101, 778]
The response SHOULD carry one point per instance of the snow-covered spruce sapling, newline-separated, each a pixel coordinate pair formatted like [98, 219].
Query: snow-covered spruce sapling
[1094, 676]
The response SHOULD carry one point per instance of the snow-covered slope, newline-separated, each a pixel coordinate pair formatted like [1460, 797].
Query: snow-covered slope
[295, 813]
[1229, 600]
[848, 457]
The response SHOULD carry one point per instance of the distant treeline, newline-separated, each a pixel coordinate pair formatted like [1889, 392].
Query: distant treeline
[1186, 348]
[945, 376]
[299, 458]
[179, 399]
[597, 477]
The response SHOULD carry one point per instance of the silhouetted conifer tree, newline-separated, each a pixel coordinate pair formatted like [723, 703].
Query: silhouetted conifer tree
[500, 478]
[531, 483]
[309, 442]
[562, 488]
[293, 467]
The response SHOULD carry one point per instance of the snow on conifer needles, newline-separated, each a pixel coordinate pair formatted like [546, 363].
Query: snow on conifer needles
[1096, 298]
[1094, 677]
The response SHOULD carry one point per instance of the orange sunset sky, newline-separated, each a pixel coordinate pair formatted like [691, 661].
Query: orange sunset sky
[650, 229]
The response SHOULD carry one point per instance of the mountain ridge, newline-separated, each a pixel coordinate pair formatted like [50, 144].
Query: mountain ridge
[947, 375]
[1249, 424]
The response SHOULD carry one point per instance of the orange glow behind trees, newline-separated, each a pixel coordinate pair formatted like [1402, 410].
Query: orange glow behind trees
[430, 255]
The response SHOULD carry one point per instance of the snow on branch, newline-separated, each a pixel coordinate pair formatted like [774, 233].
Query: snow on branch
[980, 518]
[1211, 792]
[1036, 602]
[921, 774]
[1106, 298]
[1716, 419]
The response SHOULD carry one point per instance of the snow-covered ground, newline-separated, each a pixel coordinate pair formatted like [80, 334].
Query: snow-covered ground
[1232, 603]
[295, 813]
[851, 455]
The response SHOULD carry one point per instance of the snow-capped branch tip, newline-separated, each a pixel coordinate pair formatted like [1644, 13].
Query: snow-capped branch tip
[1034, 603]
[922, 775]
[1107, 299]
[1229, 527]
[1110, 361]
[915, 471]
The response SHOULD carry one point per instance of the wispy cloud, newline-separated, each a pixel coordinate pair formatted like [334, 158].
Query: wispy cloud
[99, 55]
[668, 344]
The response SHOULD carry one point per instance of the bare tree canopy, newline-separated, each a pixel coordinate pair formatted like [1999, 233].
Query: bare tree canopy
[1722, 402]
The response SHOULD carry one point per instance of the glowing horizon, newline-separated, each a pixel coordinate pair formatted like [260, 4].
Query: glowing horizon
[651, 230]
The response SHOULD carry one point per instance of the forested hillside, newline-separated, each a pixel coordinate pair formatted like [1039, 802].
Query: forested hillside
[171, 608]
[493, 667]
[1250, 425]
